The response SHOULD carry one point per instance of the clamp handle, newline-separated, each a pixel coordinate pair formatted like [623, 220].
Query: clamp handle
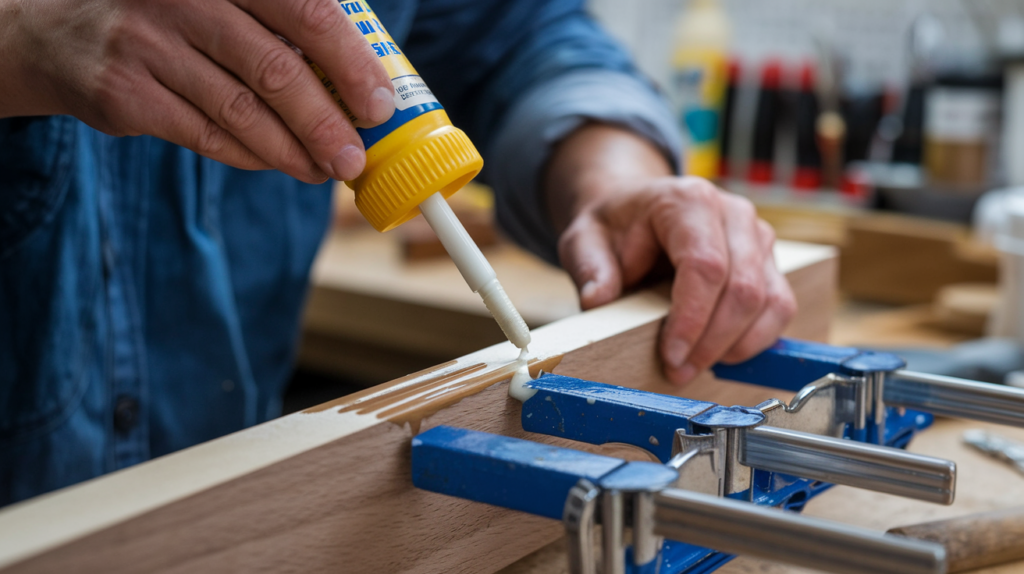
[790, 364]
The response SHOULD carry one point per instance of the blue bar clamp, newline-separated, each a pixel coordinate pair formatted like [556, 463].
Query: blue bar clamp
[848, 412]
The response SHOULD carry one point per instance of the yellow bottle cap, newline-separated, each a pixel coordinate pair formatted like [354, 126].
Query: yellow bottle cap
[423, 156]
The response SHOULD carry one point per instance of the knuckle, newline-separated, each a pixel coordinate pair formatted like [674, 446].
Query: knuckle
[291, 158]
[747, 294]
[709, 265]
[663, 202]
[743, 350]
[326, 132]
[318, 18]
[109, 112]
[241, 111]
[565, 246]
[784, 303]
[743, 206]
[766, 231]
[209, 139]
[788, 306]
[369, 71]
[277, 70]
[124, 34]
[697, 188]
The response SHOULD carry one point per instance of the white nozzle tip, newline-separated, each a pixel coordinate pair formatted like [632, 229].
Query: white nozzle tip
[505, 313]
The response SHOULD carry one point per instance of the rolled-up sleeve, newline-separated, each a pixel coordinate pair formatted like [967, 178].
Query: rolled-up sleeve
[520, 76]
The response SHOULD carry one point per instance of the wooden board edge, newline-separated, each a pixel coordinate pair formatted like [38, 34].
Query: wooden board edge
[35, 526]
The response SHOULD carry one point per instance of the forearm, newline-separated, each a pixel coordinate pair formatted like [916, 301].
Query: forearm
[594, 161]
[22, 94]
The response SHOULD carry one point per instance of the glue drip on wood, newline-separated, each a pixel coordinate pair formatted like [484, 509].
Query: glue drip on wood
[517, 388]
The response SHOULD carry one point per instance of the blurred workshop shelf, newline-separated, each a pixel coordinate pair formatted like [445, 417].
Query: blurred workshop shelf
[373, 315]
[886, 257]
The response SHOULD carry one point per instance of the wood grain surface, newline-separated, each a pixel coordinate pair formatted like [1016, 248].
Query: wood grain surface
[328, 489]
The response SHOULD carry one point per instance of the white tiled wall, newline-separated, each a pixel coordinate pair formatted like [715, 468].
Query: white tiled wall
[871, 33]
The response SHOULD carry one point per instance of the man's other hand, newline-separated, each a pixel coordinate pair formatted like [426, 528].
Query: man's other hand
[612, 195]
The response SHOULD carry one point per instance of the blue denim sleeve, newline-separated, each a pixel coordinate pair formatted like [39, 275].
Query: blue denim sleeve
[518, 77]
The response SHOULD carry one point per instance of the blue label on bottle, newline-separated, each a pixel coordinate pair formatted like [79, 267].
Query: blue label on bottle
[412, 96]
[702, 124]
[375, 134]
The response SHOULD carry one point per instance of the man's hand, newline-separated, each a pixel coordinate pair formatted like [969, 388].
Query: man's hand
[209, 75]
[621, 210]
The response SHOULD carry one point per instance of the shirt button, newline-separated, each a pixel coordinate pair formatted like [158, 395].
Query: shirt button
[126, 413]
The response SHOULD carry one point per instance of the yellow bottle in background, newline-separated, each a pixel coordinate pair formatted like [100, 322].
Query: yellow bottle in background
[700, 75]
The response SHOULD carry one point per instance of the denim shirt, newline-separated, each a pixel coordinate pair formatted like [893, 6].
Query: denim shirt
[150, 298]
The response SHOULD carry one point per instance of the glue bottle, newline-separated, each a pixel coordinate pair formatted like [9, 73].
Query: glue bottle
[700, 74]
[414, 161]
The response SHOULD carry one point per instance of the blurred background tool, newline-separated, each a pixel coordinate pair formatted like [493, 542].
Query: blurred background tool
[766, 123]
[920, 103]
[999, 448]
[976, 540]
[699, 77]
[807, 173]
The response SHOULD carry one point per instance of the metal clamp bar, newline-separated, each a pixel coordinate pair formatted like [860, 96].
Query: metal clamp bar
[646, 544]
[578, 517]
[613, 522]
[828, 459]
[741, 528]
[955, 397]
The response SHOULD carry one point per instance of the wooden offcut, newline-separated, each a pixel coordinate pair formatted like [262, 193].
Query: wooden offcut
[329, 489]
[976, 540]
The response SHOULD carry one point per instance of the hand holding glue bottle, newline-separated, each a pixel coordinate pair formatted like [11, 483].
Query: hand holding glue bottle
[210, 76]
[413, 162]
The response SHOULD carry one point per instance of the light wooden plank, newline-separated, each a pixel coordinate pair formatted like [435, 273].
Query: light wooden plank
[328, 489]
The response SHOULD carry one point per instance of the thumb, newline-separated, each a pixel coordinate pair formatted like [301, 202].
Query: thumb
[586, 254]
